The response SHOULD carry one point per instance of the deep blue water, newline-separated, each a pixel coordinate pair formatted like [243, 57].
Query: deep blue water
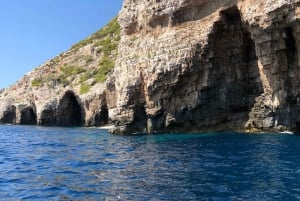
[38, 163]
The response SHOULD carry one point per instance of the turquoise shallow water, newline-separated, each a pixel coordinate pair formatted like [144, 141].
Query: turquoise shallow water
[38, 163]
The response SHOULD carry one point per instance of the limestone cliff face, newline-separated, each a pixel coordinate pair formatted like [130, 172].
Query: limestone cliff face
[68, 90]
[207, 65]
[190, 65]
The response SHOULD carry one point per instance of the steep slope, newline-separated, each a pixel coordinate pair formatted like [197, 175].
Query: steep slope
[68, 90]
[207, 65]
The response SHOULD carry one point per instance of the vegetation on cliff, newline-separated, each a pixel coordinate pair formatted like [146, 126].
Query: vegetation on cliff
[85, 64]
[111, 30]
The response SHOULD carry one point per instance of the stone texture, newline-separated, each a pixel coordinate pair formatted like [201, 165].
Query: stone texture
[206, 65]
[184, 65]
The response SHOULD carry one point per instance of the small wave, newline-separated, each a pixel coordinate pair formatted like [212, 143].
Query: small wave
[287, 132]
[107, 127]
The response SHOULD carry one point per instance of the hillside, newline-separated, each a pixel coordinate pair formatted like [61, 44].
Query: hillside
[78, 73]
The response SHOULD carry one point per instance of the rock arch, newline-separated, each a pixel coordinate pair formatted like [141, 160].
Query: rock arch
[28, 116]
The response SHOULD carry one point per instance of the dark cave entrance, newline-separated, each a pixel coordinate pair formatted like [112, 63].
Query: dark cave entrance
[48, 117]
[69, 111]
[9, 116]
[101, 118]
[28, 116]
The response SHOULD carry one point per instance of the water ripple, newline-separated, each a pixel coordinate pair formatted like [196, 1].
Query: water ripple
[38, 163]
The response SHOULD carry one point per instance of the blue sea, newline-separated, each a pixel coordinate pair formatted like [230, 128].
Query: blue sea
[42, 163]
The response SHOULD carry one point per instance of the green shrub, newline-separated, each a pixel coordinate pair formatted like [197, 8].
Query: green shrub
[118, 38]
[88, 59]
[72, 70]
[37, 82]
[107, 46]
[111, 29]
[82, 43]
[84, 88]
[105, 66]
[108, 38]
[100, 78]
[63, 80]
[85, 76]
[58, 79]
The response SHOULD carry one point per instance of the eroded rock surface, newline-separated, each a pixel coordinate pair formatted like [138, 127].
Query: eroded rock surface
[190, 65]
[207, 65]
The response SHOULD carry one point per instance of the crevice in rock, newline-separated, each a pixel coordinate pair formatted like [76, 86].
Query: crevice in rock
[249, 48]
[198, 10]
[28, 116]
[290, 42]
[189, 13]
[131, 28]
[162, 21]
[9, 115]
[101, 117]
[137, 109]
[139, 122]
[231, 16]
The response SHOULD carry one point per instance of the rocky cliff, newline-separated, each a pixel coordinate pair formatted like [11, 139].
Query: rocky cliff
[207, 65]
[191, 65]
[68, 90]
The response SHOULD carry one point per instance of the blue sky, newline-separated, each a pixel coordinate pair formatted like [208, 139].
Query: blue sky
[33, 31]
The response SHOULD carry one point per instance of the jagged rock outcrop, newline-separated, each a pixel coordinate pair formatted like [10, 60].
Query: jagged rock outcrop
[207, 65]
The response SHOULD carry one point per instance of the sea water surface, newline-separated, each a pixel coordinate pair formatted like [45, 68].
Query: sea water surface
[38, 163]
